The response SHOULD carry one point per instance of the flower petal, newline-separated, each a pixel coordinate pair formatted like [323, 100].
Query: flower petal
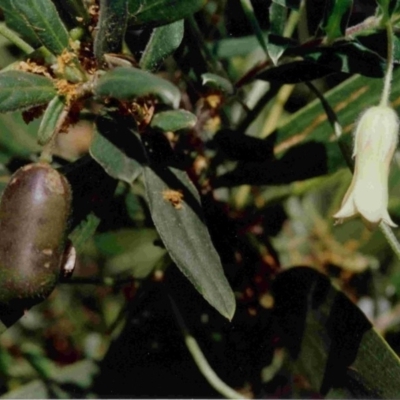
[348, 208]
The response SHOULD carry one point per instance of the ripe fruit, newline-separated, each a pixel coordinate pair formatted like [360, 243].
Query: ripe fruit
[34, 212]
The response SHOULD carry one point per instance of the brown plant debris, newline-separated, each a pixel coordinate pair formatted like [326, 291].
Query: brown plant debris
[174, 197]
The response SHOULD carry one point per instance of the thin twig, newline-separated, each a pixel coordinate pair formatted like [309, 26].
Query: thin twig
[389, 66]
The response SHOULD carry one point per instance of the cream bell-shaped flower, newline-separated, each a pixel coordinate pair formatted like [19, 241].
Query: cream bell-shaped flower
[375, 141]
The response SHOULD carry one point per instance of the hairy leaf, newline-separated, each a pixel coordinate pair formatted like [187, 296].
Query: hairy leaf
[111, 27]
[20, 90]
[42, 17]
[161, 12]
[15, 21]
[114, 161]
[127, 83]
[173, 120]
[164, 40]
[176, 211]
[217, 82]
[50, 120]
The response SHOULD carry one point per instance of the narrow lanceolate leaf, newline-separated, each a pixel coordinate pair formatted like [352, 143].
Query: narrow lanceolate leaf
[176, 211]
[161, 12]
[277, 20]
[251, 17]
[42, 17]
[111, 27]
[330, 340]
[15, 21]
[174, 120]
[117, 148]
[20, 90]
[114, 161]
[127, 83]
[163, 42]
[51, 120]
[336, 17]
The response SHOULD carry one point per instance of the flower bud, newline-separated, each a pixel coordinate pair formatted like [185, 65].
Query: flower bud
[375, 141]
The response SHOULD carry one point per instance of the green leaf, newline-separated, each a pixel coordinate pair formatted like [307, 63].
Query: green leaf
[50, 120]
[163, 42]
[176, 212]
[84, 231]
[336, 17]
[21, 90]
[277, 20]
[235, 47]
[252, 19]
[15, 21]
[129, 251]
[114, 161]
[111, 27]
[161, 12]
[17, 138]
[173, 120]
[330, 340]
[117, 147]
[127, 83]
[42, 17]
[217, 82]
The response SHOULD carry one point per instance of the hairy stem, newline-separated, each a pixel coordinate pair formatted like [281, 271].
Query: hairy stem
[389, 66]
[15, 39]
